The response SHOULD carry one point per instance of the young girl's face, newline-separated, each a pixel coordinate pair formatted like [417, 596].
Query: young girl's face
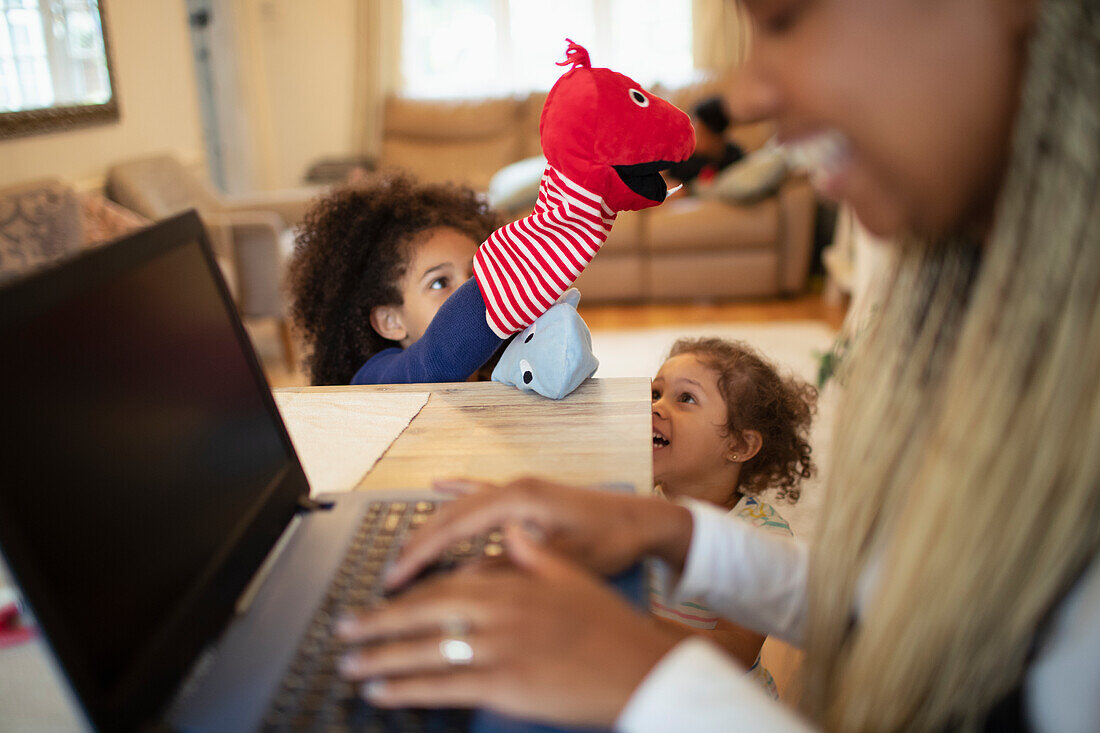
[440, 261]
[690, 447]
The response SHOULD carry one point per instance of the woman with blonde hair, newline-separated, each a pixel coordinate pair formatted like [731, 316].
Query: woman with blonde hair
[954, 582]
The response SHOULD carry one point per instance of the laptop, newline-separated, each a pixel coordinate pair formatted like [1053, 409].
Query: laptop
[156, 517]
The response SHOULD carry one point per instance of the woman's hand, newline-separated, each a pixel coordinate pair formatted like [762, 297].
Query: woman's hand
[605, 531]
[549, 642]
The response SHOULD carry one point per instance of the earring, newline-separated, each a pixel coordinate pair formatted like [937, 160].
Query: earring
[733, 457]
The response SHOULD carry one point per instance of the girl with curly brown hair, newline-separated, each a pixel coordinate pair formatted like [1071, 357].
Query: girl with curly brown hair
[727, 427]
[382, 263]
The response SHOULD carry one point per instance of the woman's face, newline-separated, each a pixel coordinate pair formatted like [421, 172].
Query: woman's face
[903, 108]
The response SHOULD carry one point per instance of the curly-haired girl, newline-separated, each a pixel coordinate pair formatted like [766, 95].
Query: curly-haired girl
[727, 427]
[374, 264]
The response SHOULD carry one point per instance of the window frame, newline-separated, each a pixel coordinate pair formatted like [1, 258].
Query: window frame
[66, 117]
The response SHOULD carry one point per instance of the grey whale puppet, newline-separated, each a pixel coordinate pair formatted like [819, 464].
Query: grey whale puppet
[553, 355]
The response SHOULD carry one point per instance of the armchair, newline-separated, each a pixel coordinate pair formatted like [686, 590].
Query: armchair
[252, 235]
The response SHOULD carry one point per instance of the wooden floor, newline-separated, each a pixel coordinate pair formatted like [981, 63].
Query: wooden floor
[812, 307]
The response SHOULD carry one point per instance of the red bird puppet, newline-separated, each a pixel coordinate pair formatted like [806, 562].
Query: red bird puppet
[606, 140]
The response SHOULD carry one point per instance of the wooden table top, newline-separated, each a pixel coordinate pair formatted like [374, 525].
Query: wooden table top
[601, 433]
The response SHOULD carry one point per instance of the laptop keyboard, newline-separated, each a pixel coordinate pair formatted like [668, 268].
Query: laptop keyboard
[313, 697]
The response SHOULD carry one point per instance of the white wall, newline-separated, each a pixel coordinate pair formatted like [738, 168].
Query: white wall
[152, 65]
[298, 63]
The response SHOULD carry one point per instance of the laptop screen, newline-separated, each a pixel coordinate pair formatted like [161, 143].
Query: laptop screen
[146, 472]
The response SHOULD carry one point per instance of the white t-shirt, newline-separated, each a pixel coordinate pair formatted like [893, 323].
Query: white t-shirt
[758, 580]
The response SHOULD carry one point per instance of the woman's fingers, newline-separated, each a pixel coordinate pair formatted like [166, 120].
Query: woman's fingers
[569, 514]
[464, 518]
[469, 640]
[466, 687]
[404, 657]
[528, 552]
[424, 609]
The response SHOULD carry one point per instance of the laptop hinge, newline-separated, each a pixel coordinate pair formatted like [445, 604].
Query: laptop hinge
[307, 504]
[253, 587]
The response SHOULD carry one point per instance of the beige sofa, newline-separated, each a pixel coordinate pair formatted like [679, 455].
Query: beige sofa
[688, 248]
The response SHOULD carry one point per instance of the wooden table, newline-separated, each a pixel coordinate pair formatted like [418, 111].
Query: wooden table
[602, 433]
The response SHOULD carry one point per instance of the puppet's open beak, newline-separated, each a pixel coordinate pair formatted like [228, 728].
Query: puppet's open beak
[645, 179]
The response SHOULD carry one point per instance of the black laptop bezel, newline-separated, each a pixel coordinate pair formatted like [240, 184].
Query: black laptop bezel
[159, 668]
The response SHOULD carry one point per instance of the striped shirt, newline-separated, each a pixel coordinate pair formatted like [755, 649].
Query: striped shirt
[525, 266]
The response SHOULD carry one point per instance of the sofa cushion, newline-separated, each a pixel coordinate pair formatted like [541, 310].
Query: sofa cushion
[514, 189]
[694, 224]
[755, 176]
[443, 120]
[700, 275]
[627, 234]
[105, 220]
[612, 277]
[530, 115]
[470, 162]
[752, 135]
[39, 223]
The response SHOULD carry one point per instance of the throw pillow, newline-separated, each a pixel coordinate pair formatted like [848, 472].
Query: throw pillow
[756, 176]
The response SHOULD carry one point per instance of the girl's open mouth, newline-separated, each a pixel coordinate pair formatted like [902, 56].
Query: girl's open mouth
[659, 441]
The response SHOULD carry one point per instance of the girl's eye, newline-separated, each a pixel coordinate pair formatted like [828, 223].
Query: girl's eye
[656, 395]
[438, 284]
[686, 397]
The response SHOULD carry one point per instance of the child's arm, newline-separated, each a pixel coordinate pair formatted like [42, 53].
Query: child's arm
[455, 345]
[519, 272]
[741, 643]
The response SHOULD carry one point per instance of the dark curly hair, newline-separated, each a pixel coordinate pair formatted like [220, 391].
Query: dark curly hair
[351, 251]
[757, 398]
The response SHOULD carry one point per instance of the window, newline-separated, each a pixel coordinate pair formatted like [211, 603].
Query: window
[471, 48]
[52, 54]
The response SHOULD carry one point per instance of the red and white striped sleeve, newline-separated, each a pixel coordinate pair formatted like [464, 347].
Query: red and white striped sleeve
[525, 266]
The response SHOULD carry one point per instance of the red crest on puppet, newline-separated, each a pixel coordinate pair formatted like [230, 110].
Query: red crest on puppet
[608, 134]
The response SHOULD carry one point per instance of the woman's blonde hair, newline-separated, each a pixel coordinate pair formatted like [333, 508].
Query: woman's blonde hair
[981, 505]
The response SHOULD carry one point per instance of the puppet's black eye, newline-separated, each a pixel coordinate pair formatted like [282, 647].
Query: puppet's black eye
[529, 337]
[639, 98]
[527, 377]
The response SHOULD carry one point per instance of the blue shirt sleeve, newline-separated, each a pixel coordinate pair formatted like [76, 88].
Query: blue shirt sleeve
[458, 341]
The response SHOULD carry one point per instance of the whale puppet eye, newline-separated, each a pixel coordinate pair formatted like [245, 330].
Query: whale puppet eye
[530, 334]
[525, 369]
[638, 97]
